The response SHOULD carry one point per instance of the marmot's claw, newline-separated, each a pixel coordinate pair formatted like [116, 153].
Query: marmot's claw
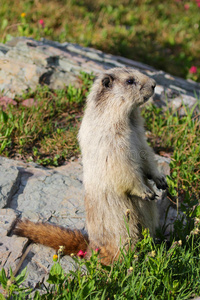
[161, 182]
[149, 195]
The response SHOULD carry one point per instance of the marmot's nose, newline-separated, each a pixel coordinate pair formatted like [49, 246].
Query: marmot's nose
[153, 84]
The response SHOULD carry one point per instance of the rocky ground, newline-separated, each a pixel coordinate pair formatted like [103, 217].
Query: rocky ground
[39, 194]
[56, 194]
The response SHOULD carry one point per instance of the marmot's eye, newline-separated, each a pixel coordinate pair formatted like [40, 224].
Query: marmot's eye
[131, 81]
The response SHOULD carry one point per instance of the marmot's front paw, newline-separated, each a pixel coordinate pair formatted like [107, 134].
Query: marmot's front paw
[161, 182]
[148, 195]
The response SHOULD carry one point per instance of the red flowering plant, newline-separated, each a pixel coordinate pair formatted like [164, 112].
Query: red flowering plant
[198, 3]
[81, 254]
[194, 73]
[186, 6]
[41, 22]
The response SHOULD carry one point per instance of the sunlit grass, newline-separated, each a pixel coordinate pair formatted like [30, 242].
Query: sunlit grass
[162, 34]
[150, 271]
[45, 132]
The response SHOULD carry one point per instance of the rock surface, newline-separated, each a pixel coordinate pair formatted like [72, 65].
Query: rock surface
[56, 194]
[41, 194]
[25, 63]
[9, 178]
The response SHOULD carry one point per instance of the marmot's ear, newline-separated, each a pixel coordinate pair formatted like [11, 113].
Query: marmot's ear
[107, 81]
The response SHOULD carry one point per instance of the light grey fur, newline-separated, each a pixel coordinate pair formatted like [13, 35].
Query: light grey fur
[117, 159]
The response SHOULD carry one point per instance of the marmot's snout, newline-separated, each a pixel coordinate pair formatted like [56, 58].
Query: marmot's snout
[147, 90]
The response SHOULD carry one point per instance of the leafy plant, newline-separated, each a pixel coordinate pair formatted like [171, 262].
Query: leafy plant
[178, 136]
[149, 271]
[12, 284]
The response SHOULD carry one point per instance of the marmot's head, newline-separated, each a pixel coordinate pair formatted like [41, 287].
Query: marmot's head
[121, 88]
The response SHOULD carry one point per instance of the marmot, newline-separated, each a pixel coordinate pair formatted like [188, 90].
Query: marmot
[117, 166]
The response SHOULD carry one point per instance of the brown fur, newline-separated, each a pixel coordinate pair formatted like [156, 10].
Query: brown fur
[117, 163]
[53, 236]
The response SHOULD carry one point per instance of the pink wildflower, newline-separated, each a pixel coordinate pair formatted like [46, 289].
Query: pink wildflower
[198, 4]
[81, 254]
[41, 22]
[97, 250]
[186, 6]
[193, 70]
[5, 101]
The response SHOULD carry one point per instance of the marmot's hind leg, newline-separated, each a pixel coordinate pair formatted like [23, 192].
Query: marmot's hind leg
[107, 254]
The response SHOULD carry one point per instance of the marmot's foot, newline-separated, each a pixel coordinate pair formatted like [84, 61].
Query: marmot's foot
[143, 192]
[160, 182]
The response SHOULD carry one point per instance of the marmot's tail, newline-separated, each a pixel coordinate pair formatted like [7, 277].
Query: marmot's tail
[53, 236]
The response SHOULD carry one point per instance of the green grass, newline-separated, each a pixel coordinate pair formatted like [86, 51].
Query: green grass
[178, 136]
[151, 271]
[47, 134]
[163, 34]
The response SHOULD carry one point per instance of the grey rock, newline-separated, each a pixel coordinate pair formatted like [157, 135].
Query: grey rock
[163, 203]
[9, 182]
[55, 195]
[163, 164]
[25, 63]
[39, 261]
[7, 220]
[11, 249]
[51, 195]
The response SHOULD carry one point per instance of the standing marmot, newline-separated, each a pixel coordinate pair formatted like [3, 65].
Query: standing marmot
[117, 163]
